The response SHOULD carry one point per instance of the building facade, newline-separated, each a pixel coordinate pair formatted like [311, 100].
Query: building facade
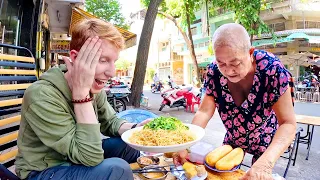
[160, 51]
[296, 25]
[202, 36]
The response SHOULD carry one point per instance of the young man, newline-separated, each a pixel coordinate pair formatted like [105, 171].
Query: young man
[64, 113]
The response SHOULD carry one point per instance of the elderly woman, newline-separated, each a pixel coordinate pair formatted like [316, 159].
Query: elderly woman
[249, 87]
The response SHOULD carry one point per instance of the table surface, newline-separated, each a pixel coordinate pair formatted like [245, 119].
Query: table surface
[311, 120]
[211, 174]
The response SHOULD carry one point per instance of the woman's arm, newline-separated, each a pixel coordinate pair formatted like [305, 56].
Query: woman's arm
[286, 131]
[201, 118]
[205, 112]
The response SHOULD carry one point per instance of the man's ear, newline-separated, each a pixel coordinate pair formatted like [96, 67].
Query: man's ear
[73, 55]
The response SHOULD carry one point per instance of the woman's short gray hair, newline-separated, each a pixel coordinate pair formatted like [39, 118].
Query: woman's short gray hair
[233, 35]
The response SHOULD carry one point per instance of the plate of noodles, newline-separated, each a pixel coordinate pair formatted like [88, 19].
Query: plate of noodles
[163, 134]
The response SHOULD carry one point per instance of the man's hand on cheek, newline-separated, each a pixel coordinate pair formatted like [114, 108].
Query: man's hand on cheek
[82, 70]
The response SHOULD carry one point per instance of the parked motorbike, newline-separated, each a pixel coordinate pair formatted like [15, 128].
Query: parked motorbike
[156, 87]
[174, 97]
[118, 97]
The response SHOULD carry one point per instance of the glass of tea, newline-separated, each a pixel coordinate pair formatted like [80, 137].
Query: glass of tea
[168, 156]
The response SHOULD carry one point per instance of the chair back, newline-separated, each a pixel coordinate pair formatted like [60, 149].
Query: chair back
[17, 73]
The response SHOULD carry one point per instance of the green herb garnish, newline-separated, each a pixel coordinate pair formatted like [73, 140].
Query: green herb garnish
[165, 123]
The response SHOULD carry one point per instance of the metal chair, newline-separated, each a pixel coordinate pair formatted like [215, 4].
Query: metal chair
[316, 97]
[19, 73]
[308, 96]
[297, 95]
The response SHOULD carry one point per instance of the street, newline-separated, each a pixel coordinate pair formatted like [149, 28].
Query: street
[215, 131]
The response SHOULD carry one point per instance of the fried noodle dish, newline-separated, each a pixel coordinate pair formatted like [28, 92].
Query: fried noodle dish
[162, 131]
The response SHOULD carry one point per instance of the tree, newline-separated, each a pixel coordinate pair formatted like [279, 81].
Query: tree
[150, 73]
[143, 52]
[122, 64]
[247, 13]
[109, 10]
[182, 14]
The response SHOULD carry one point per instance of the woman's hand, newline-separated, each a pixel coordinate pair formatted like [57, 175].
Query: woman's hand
[179, 158]
[82, 70]
[259, 171]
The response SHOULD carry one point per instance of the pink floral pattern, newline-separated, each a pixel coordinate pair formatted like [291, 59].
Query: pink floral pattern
[251, 129]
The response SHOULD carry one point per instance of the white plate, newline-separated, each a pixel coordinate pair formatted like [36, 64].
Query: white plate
[181, 175]
[197, 130]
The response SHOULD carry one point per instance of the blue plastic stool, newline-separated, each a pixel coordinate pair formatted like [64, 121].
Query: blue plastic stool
[136, 115]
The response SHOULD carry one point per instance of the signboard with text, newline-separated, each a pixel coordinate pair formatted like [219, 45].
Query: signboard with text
[60, 46]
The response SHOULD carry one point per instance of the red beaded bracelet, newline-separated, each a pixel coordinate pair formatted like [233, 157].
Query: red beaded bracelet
[87, 99]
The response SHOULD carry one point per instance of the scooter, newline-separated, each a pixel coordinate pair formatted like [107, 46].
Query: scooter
[174, 97]
[118, 97]
[156, 87]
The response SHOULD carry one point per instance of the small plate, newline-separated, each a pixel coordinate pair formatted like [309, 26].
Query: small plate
[214, 169]
[181, 175]
[150, 154]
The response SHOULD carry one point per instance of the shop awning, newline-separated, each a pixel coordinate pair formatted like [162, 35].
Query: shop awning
[79, 14]
[298, 59]
[264, 42]
[289, 32]
[290, 38]
[203, 64]
[298, 35]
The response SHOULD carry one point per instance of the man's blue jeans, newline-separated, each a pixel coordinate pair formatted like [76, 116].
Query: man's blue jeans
[117, 155]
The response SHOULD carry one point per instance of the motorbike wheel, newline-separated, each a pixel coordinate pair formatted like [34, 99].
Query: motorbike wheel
[153, 90]
[161, 107]
[120, 105]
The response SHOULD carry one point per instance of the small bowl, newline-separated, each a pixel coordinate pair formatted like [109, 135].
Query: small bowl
[152, 175]
[156, 161]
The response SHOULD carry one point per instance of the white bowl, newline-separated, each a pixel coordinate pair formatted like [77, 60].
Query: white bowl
[196, 130]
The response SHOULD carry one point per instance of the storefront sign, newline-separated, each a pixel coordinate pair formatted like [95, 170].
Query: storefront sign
[315, 49]
[270, 50]
[178, 71]
[291, 49]
[60, 46]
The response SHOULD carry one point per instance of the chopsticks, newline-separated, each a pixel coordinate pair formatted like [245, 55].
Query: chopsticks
[155, 171]
[156, 167]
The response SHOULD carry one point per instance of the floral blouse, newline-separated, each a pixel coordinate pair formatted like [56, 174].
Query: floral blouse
[251, 125]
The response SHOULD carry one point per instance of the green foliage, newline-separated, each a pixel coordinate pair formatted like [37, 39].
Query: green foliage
[122, 64]
[109, 10]
[210, 49]
[145, 3]
[246, 13]
[150, 73]
[176, 8]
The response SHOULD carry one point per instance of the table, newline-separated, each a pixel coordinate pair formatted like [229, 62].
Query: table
[310, 121]
[311, 89]
[211, 174]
